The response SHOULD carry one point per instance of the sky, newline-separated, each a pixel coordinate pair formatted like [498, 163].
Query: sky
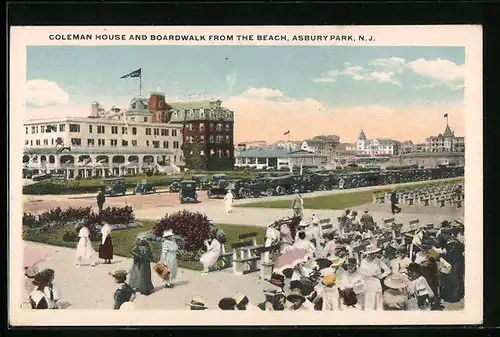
[391, 92]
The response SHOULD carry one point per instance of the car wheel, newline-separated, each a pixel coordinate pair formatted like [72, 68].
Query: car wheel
[269, 192]
[280, 190]
[322, 187]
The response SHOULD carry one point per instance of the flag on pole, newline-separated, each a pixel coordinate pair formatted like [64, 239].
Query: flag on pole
[445, 115]
[287, 133]
[135, 73]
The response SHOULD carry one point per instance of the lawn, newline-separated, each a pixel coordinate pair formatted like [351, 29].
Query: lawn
[123, 240]
[341, 201]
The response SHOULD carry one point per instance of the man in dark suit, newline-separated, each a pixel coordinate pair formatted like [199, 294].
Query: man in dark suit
[394, 202]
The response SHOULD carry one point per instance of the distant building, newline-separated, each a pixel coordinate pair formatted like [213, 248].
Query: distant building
[445, 142]
[306, 157]
[324, 145]
[251, 144]
[376, 146]
[263, 157]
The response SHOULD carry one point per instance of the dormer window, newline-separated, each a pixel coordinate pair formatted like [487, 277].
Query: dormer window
[202, 113]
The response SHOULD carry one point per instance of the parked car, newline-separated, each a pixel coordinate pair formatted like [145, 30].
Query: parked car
[144, 187]
[175, 186]
[188, 192]
[201, 181]
[220, 188]
[219, 177]
[41, 177]
[114, 187]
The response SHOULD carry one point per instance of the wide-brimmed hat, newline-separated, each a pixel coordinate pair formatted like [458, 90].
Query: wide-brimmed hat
[302, 224]
[227, 303]
[329, 280]
[337, 262]
[197, 302]
[371, 249]
[294, 295]
[429, 226]
[120, 274]
[396, 281]
[168, 233]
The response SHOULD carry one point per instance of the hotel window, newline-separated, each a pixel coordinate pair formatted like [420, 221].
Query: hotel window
[32, 129]
[134, 130]
[211, 127]
[114, 142]
[217, 139]
[74, 128]
[176, 145]
[211, 139]
[26, 128]
[62, 127]
[125, 143]
[219, 153]
[26, 142]
[134, 143]
[147, 142]
[174, 133]
[228, 127]
[148, 131]
[124, 130]
[42, 129]
[76, 141]
[90, 128]
[212, 114]
[202, 113]
[165, 144]
[101, 129]
[145, 119]
[202, 139]
[101, 142]
[90, 142]
[37, 142]
[156, 132]
[156, 144]
[219, 127]
[190, 127]
[202, 126]
[114, 130]
[202, 153]
[31, 142]
[36, 129]
[164, 132]
[45, 142]
[227, 139]
[191, 114]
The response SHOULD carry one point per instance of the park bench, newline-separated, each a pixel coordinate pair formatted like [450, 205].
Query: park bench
[441, 202]
[252, 236]
[414, 224]
[267, 263]
[243, 258]
[226, 258]
[388, 222]
[425, 200]
[410, 199]
[396, 230]
[457, 203]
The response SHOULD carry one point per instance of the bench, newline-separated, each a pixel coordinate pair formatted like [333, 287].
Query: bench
[413, 224]
[266, 263]
[253, 237]
[425, 200]
[226, 258]
[441, 202]
[457, 203]
[243, 257]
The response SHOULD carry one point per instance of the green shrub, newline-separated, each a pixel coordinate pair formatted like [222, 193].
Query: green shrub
[70, 236]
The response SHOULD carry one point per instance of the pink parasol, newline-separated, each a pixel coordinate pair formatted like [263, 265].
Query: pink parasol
[34, 255]
[290, 259]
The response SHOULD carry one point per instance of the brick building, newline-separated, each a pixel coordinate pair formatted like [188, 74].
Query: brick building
[204, 122]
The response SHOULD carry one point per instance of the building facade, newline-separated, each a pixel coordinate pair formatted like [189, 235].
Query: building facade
[445, 142]
[263, 158]
[376, 146]
[107, 143]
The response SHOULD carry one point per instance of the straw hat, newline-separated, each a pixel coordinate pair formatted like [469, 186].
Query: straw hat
[197, 302]
[330, 280]
[371, 249]
[294, 295]
[168, 233]
[337, 262]
[120, 273]
[396, 281]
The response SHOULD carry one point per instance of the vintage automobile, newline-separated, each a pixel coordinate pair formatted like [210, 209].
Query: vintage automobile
[218, 177]
[201, 181]
[41, 177]
[144, 187]
[220, 188]
[114, 187]
[284, 184]
[175, 186]
[187, 192]
[321, 181]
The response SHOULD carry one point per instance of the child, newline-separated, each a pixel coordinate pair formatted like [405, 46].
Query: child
[124, 292]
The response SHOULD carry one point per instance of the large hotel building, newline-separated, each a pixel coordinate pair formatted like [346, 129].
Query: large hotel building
[147, 135]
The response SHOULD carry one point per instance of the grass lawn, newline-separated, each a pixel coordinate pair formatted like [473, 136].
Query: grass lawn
[123, 240]
[341, 201]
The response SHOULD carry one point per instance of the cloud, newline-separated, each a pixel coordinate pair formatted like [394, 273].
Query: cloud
[267, 118]
[262, 93]
[442, 70]
[325, 80]
[40, 93]
[392, 62]
[231, 79]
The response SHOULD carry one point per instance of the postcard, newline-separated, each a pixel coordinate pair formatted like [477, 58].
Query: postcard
[156, 171]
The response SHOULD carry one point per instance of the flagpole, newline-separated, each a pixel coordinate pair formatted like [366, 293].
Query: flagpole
[140, 82]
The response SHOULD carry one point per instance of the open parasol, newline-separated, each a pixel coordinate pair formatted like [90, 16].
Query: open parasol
[34, 255]
[290, 259]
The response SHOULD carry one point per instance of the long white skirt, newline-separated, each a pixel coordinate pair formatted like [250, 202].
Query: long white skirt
[372, 298]
[209, 259]
[84, 250]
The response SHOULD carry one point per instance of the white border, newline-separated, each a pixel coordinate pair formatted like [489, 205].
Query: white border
[469, 37]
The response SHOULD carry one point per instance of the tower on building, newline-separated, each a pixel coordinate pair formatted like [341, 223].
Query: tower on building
[362, 135]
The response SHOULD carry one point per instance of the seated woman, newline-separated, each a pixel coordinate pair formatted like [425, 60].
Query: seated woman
[210, 258]
[395, 297]
[45, 295]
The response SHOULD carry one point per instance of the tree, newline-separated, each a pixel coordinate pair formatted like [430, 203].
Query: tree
[192, 154]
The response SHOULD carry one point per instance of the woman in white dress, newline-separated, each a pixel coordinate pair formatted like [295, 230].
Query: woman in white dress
[228, 201]
[329, 292]
[210, 258]
[84, 249]
[351, 286]
[373, 270]
[272, 238]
